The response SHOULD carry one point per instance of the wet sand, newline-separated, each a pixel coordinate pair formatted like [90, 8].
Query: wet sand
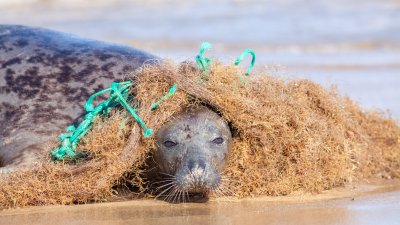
[377, 203]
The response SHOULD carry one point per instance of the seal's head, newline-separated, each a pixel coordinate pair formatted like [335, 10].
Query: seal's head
[193, 148]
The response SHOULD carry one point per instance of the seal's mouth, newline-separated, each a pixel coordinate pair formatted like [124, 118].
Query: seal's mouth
[198, 187]
[198, 180]
[188, 186]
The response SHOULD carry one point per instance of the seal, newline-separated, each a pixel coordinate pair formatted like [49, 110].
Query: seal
[45, 78]
[192, 150]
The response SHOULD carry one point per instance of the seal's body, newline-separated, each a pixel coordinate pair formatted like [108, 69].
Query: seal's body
[45, 78]
[192, 150]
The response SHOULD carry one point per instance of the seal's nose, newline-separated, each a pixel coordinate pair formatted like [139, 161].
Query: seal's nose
[197, 175]
[196, 165]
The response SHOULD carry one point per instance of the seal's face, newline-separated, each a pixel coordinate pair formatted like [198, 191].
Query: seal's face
[193, 149]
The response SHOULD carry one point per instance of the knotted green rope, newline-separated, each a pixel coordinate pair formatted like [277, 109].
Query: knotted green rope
[241, 57]
[202, 62]
[147, 131]
[70, 139]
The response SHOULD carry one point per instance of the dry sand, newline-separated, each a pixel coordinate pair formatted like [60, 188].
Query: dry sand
[374, 203]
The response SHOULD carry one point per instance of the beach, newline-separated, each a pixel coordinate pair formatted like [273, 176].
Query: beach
[352, 45]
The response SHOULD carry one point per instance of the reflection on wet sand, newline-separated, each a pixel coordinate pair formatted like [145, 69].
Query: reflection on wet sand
[366, 204]
[157, 213]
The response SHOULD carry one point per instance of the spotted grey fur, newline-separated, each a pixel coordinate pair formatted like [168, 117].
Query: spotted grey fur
[45, 78]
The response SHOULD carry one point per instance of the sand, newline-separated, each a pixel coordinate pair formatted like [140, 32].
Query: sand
[376, 203]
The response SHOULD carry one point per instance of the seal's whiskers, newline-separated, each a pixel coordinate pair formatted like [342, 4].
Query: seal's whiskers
[222, 190]
[171, 185]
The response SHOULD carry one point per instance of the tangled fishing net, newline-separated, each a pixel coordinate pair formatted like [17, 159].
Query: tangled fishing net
[289, 135]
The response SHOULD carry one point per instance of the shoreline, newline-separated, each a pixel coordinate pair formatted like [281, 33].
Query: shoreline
[340, 203]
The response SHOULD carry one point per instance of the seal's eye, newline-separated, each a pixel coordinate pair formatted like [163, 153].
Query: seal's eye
[218, 140]
[169, 144]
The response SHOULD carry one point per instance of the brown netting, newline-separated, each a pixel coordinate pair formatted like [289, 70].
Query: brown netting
[288, 136]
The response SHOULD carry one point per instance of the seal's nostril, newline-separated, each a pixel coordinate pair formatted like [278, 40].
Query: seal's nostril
[202, 164]
[191, 165]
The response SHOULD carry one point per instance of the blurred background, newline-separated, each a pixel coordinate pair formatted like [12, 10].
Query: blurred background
[353, 44]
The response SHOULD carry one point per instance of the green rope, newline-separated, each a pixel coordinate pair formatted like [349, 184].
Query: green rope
[241, 57]
[147, 131]
[70, 139]
[202, 62]
[171, 91]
